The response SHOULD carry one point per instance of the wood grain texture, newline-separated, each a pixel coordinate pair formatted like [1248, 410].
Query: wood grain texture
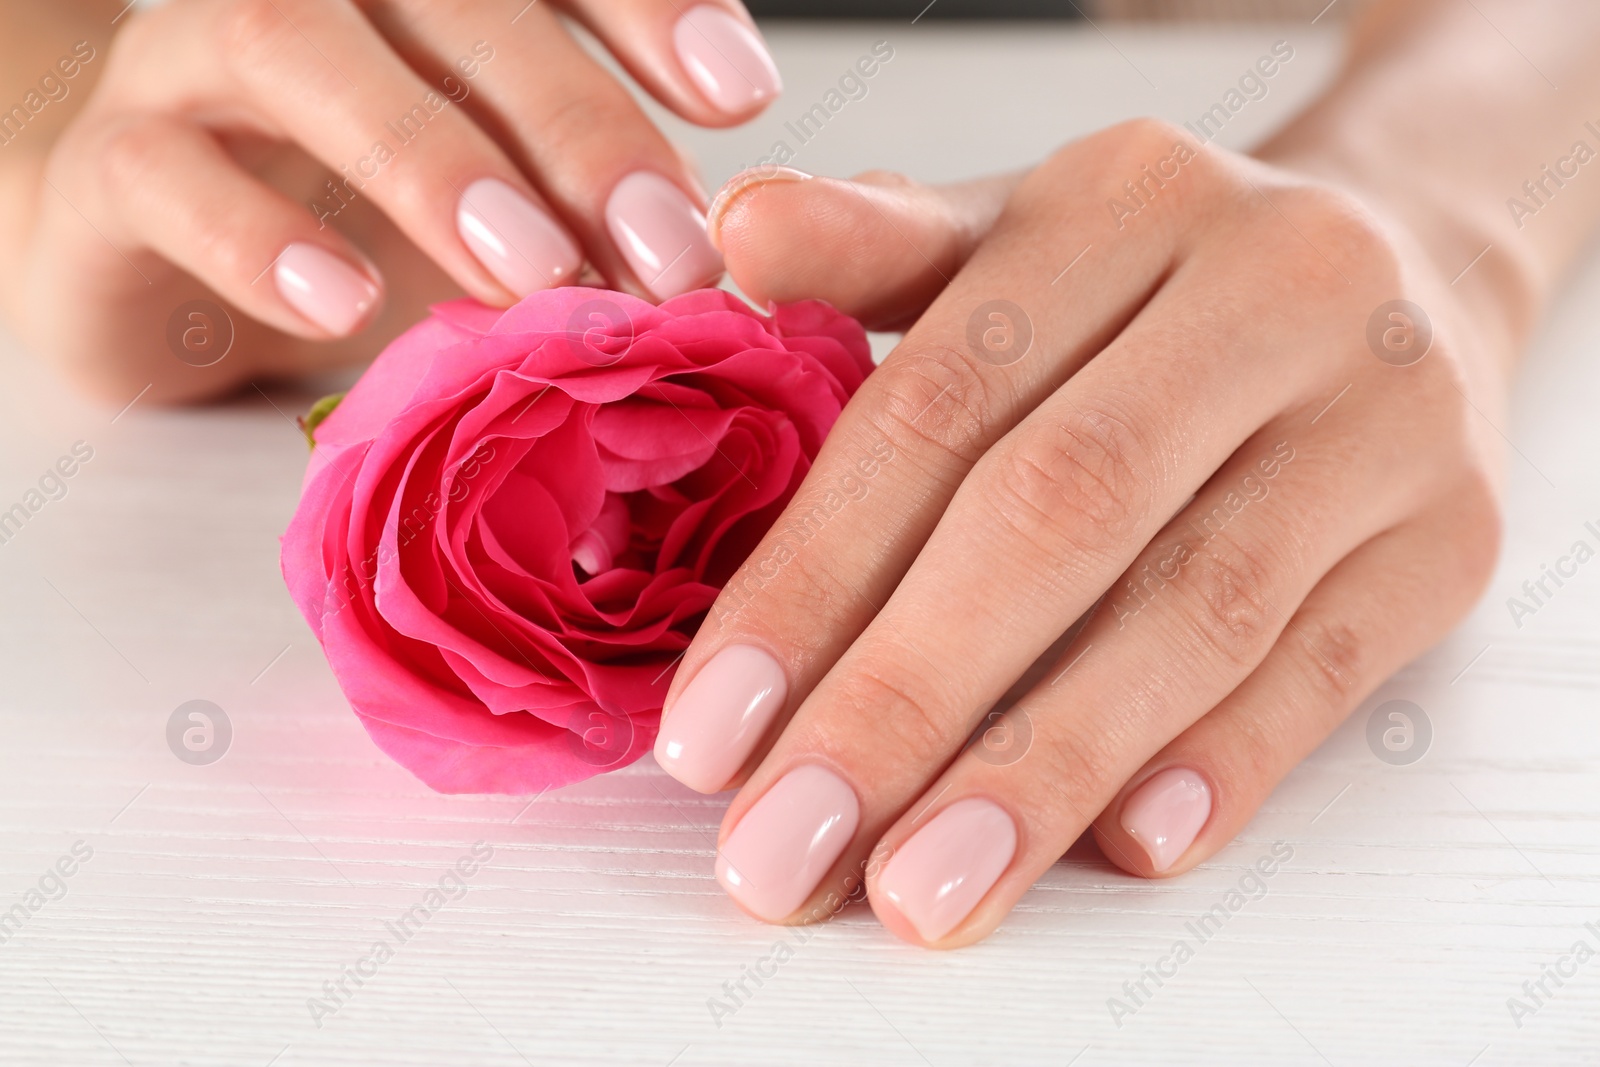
[219, 899]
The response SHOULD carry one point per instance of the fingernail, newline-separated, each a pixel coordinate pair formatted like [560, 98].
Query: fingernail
[1166, 812]
[324, 288]
[726, 59]
[741, 183]
[783, 846]
[941, 872]
[661, 234]
[720, 717]
[522, 246]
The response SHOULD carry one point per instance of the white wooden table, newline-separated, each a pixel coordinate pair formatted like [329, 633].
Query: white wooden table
[218, 899]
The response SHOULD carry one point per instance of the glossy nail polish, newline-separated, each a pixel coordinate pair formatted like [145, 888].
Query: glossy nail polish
[720, 717]
[661, 234]
[324, 288]
[522, 246]
[786, 842]
[941, 872]
[1166, 812]
[726, 59]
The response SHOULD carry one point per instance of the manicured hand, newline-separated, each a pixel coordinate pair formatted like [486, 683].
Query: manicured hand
[472, 146]
[1236, 420]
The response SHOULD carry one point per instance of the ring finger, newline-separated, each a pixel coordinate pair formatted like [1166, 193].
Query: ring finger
[1381, 606]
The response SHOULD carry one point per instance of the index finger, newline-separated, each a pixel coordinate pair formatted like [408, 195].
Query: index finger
[975, 364]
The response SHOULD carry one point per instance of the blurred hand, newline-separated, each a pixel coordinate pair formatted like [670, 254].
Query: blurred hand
[472, 146]
[1192, 395]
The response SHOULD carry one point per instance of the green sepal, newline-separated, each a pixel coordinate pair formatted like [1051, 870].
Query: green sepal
[313, 418]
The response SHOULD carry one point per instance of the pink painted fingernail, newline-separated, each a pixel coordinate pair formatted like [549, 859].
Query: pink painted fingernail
[941, 872]
[523, 247]
[1166, 812]
[324, 288]
[720, 717]
[726, 59]
[661, 234]
[783, 846]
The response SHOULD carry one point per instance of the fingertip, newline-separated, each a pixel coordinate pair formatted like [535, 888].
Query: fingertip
[726, 60]
[1158, 822]
[737, 191]
[878, 247]
[516, 240]
[895, 921]
[326, 289]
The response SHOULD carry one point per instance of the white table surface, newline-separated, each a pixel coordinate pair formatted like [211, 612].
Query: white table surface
[219, 898]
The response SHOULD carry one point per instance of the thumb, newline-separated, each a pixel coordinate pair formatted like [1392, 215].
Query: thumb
[879, 247]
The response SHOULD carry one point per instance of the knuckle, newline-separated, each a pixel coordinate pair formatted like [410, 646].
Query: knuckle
[133, 152]
[596, 111]
[1334, 653]
[1229, 610]
[1074, 772]
[1074, 487]
[254, 32]
[1134, 141]
[1142, 135]
[908, 715]
[783, 581]
[1112, 155]
[1342, 229]
[1256, 743]
[932, 399]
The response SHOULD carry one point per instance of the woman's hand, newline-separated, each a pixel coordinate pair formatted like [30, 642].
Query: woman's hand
[471, 145]
[1237, 418]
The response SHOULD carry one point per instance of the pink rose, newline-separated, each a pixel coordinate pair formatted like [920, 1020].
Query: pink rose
[513, 523]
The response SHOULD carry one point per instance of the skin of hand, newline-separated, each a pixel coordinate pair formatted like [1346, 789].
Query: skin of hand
[1239, 412]
[246, 151]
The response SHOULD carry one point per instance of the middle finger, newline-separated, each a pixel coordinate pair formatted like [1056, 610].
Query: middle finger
[1040, 528]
